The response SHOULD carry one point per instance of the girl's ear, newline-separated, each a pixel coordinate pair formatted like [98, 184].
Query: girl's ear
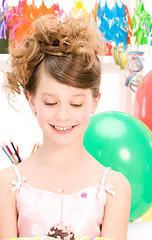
[31, 102]
[95, 103]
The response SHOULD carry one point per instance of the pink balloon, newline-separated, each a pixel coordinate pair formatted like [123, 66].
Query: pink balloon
[142, 106]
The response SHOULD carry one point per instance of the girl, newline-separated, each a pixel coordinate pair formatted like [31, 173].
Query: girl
[59, 71]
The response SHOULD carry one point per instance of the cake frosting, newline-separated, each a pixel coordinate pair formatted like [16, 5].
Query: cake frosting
[60, 232]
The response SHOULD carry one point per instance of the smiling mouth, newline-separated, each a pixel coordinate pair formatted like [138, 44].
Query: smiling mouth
[63, 129]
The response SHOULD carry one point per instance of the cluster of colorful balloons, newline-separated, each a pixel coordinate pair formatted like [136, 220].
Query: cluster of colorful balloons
[124, 143]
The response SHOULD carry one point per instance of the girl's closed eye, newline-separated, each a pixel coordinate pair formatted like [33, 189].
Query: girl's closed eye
[50, 103]
[76, 105]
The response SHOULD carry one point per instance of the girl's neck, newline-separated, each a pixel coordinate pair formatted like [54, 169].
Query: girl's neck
[62, 155]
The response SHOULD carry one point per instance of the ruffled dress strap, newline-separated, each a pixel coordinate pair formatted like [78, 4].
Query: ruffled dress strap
[107, 187]
[20, 180]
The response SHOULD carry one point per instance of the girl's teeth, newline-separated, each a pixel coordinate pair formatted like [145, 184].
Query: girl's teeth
[62, 128]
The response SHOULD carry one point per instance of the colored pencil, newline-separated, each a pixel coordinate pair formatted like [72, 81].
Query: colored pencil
[16, 161]
[8, 149]
[34, 148]
[11, 153]
[3, 148]
[15, 151]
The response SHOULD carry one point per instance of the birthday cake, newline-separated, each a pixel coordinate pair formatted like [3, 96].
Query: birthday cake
[60, 233]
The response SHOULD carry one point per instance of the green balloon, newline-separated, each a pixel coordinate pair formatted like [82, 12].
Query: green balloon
[124, 143]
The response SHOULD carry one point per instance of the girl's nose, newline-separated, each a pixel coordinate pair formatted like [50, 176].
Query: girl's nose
[63, 113]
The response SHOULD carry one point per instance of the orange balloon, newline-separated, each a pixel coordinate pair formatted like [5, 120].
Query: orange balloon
[142, 106]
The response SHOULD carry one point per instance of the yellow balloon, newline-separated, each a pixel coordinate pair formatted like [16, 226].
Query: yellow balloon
[147, 217]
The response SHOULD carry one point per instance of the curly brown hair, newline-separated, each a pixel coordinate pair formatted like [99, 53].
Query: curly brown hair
[68, 50]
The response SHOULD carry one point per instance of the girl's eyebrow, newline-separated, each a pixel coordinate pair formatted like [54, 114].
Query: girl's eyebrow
[48, 94]
[73, 95]
[79, 94]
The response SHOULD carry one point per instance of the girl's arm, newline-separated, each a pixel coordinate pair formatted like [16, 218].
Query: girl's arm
[117, 209]
[8, 214]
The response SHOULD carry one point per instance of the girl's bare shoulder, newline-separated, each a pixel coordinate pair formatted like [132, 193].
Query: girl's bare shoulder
[114, 177]
[121, 187]
[6, 176]
[117, 179]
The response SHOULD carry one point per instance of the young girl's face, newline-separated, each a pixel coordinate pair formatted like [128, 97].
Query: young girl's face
[63, 112]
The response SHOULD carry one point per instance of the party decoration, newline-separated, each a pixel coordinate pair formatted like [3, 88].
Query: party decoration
[120, 56]
[22, 16]
[134, 69]
[142, 105]
[124, 143]
[14, 21]
[94, 11]
[129, 25]
[79, 9]
[141, 24]
[3, 19]
[113, 23]
[107, 48]
[133, 81]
